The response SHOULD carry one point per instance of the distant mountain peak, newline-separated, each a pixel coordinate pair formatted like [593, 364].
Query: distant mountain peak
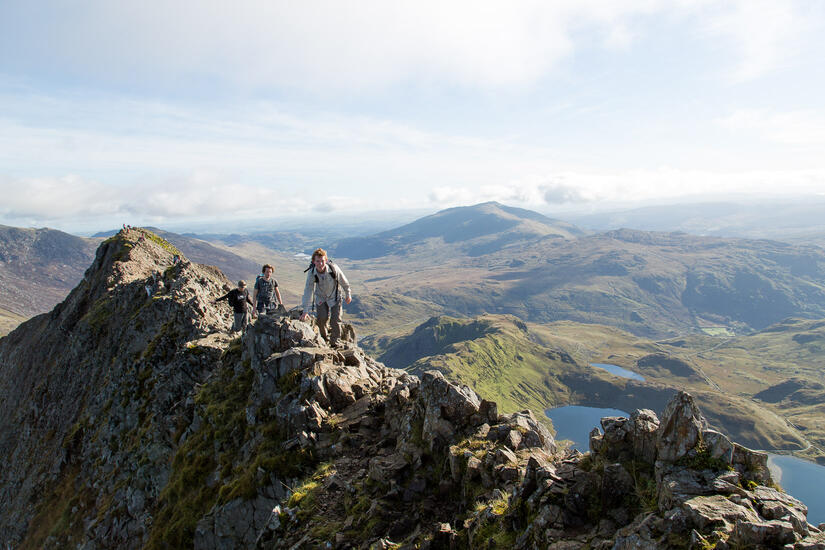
[475, 230]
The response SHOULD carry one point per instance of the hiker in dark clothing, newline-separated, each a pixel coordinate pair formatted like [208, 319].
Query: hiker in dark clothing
[266, 292]
[324, 284]
[238, 298]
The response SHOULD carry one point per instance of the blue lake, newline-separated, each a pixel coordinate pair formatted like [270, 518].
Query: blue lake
[575, 423]
[802, 479]
[616, 370]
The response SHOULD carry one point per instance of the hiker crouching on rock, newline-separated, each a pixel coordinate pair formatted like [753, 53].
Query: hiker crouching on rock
[238, 299]
[325, 281]
[266, 291]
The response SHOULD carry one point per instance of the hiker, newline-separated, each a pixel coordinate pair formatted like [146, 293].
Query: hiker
[238, 298]
[266, 291]
[324, 281]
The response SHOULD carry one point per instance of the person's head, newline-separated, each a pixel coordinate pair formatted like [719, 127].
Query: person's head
[267, 271]
[319, 258]
[241, 285]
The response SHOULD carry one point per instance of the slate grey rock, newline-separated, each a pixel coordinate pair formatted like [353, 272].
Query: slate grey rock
[680, 429]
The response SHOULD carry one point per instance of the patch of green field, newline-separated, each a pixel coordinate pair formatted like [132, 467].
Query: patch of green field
[718, 331]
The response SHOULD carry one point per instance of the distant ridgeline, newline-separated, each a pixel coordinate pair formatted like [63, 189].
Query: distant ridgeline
[130, 420]
[38, 267]
[490, 258]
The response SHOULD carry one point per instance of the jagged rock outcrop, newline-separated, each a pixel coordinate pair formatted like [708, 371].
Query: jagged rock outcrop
[131, 420]
[91, 393]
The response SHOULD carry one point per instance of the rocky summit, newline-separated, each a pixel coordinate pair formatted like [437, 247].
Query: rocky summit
[130, 419]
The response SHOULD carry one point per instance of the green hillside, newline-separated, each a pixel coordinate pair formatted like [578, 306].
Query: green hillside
[492, 354]
[522, 365]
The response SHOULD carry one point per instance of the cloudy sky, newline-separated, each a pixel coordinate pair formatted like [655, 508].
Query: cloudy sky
[191, 110]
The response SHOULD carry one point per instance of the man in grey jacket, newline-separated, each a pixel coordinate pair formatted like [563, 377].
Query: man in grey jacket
[326, 287]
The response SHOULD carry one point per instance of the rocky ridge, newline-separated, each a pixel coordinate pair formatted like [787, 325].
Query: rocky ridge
[134, 422]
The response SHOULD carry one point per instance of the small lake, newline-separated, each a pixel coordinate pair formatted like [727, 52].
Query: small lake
[802, 479]
[575, 423]
[616, 370]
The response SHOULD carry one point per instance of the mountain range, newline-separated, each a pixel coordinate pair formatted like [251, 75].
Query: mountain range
[130, 419]
[490, 258]
[780, 218]
[649, 283]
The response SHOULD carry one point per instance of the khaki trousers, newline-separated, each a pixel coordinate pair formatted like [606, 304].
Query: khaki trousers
[333, 313]
[241, 320]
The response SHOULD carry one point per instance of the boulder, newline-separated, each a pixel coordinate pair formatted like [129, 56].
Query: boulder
[617, 486]
[644, 427]
[752, 464]
[269, 335]
[718, 445]
[707, 513]
[236, 522]
[596, 441]
[447, 407]
[770, 533]
[680, 429]
[386, 468]
[773, 504]
[681, 484]
[615, 443]
[533, 433]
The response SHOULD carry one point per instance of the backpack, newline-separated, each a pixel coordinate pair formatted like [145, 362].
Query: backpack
[332, 273]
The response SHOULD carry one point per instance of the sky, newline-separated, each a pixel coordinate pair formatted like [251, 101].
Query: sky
[196, 111]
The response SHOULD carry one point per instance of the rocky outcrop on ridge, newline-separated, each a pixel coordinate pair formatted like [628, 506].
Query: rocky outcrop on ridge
[135, 422]
[90, 392]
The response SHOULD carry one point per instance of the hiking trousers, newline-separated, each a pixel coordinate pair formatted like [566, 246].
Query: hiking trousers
[324, 312]
[241, 320]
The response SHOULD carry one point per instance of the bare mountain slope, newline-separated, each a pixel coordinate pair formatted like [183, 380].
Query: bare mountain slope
[652, 284]
[38, 267]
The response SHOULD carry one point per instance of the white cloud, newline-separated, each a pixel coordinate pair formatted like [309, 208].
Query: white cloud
[54, 198]
[765, 32]
[560, 192]
[75, 203]
[75, 200]
[329, 46]
[801, 128]
[665, 184]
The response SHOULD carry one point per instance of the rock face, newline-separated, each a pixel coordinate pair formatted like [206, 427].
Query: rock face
[130, 420]
[91, 392]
